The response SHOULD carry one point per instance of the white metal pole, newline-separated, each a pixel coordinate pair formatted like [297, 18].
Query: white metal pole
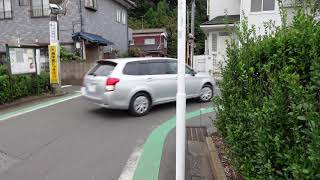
[193, 11]
[181, 94]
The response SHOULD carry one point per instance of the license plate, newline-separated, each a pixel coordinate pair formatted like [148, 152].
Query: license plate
[91, 88]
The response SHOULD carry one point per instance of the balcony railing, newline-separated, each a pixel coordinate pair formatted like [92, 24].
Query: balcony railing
[5, 14]
[40, 12]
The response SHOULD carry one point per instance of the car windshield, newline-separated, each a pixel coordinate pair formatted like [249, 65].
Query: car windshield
[103, 68]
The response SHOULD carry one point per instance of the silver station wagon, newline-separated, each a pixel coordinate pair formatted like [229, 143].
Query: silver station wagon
[137, 84]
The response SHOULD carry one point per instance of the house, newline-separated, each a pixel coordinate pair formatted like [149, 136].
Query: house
[152, 42]
[222, 15]
[93, 28]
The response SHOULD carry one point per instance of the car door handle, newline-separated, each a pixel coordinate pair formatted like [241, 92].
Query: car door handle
[149, 79]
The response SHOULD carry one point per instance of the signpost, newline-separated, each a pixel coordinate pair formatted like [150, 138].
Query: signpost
[22, 60]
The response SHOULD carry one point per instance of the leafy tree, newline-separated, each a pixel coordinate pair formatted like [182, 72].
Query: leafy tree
[163, 14]
[200, 17]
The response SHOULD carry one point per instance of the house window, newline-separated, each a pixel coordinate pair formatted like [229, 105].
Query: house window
[149, 41]
[23, 2]
[40, 8]
[118, 16]
[214, 42]
[262, 5]
[5, 9]
[124, 17]
[91, 4]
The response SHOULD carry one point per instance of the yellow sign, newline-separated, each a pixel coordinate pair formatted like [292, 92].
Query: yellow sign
[53, 63]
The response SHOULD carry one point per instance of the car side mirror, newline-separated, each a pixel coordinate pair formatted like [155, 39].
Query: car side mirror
[193, 73]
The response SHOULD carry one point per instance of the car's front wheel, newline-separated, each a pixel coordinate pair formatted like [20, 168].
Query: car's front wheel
[140, 104]
[206, 93]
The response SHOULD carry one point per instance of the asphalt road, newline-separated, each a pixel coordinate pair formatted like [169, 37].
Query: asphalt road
[75, 140]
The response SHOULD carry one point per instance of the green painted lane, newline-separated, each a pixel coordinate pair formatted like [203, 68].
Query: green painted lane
[149, 164]
[28, 109]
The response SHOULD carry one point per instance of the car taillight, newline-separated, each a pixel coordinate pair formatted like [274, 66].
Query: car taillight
[111, 84]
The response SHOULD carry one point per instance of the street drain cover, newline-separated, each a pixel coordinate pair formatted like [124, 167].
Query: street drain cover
[197, 134]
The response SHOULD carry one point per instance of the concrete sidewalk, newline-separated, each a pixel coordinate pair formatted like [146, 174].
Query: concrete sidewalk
[197, 160]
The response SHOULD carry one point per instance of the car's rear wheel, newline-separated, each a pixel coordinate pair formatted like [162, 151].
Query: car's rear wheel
[140, 104]
[206, 93]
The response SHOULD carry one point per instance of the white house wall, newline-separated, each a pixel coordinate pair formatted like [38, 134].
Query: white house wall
[258, 19]
[223, 7]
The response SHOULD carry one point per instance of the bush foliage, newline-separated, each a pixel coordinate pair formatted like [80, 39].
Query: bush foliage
[269, 111]
[21, 85]
[66, 55]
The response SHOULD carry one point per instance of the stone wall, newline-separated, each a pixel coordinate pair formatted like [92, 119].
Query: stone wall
[73, 72]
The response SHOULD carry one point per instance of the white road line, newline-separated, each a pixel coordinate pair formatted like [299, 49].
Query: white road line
[128, 170]
[36, 107]
[65, 86]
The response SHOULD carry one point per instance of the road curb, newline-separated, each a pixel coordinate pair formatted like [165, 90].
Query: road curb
[30, 99]
[28, 109]
[149, 163]
[216, 166]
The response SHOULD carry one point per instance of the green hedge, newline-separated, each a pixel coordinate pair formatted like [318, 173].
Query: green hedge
[21, 85]
[269, 112]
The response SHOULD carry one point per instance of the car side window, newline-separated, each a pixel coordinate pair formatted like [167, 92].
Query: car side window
[151, 67]
[144, 68]
[172, 67]
[132, 68]
[189, 70]
[157, 67]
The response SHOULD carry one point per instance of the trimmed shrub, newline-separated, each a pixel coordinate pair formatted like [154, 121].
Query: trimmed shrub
[4, 89]
[66, 55]
[269, 111]
[21, 85]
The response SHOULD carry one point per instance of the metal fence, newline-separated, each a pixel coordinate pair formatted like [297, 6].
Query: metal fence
[39, 11]
[5, 14]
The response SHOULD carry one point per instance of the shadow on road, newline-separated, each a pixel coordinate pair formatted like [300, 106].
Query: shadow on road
[156, 110]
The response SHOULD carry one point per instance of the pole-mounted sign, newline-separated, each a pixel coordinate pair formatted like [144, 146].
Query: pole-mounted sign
[54, 65]
[53, 29]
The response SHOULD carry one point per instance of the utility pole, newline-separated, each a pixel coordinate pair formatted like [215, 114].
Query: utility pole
[181, 94]
[188, 32]
[57, 7]
[142, 22]
[54, 55]
[193, 9]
